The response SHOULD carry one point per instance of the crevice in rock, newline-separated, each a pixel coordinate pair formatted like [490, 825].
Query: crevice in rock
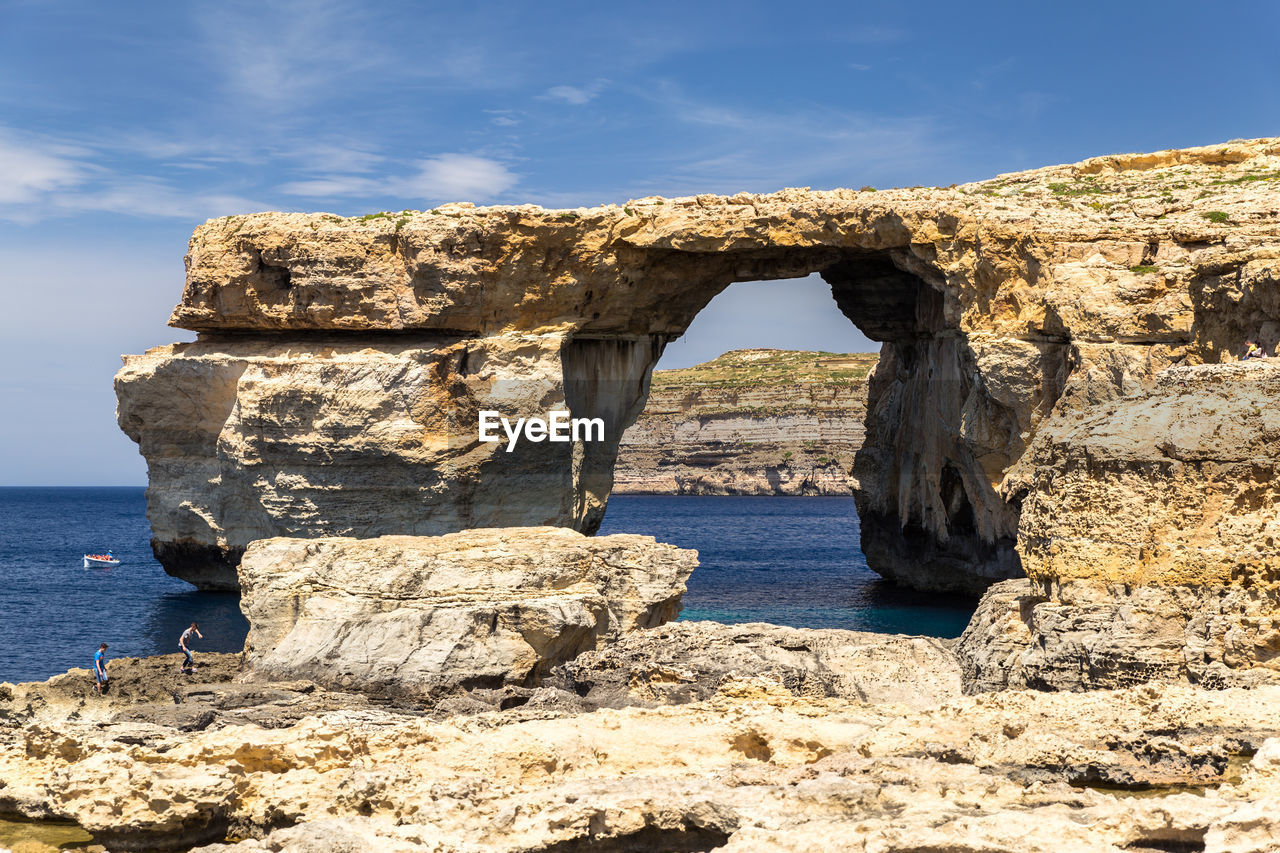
[1191, 842]
[960, 517]
[684, 839]
[271, 277]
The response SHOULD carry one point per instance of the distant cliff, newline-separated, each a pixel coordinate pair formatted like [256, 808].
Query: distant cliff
[751, 422]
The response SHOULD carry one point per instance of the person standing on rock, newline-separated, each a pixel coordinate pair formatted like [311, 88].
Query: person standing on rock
[189, 663]
[100, 670]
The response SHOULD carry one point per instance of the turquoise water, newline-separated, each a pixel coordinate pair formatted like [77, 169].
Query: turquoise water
[792, 561]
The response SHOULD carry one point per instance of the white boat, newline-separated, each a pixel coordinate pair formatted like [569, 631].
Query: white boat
[100, 561]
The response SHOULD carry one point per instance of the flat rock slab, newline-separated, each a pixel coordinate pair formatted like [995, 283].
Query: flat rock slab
[431, 615]
[690, 661]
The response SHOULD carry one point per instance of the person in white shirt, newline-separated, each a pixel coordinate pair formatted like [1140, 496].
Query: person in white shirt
[189, 663]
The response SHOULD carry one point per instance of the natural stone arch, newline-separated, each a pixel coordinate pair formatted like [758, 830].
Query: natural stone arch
[1001, 306]
[931, 513]
[912, 531]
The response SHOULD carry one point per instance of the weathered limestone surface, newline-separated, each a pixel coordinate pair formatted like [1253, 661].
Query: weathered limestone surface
[1150, 533]
[316, 437]
[751, 422]
[426, 616]
[1001, 306]
[752, 767]
[690, 661]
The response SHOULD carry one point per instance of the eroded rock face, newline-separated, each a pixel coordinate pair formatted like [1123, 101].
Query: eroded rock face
[427, 616]
[1001, 307]
[319, 437]
[1149, 531]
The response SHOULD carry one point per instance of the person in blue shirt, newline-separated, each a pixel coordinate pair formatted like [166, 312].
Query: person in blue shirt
[100, 670]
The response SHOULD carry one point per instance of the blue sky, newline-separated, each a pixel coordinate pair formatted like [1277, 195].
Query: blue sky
[122, 126]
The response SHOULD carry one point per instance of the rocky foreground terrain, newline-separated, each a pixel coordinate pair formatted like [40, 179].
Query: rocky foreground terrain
[856, 742]
[751, 422]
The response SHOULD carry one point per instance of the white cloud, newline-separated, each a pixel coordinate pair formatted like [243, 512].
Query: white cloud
[336, 157]
[42, 178]
[47, 177]
[503, 118]
[575, 95]
[445, 177]
[153, 197]
[461, 177]
[30, 170]
[334, 187]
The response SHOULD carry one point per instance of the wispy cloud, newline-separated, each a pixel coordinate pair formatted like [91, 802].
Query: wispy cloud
[287, 52]
[154, 197]
[335, 157]
[42, 178]
[445, 177]
[291, 57]
[575, 95]
[503, 118]
[460, 176]
[30, 169]
[727, 148]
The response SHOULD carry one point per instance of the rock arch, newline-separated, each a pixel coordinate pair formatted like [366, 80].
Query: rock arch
[344, 400]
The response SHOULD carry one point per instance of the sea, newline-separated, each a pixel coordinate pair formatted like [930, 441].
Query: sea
[787, 560]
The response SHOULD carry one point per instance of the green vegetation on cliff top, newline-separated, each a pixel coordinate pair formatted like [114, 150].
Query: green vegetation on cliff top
[771, 366]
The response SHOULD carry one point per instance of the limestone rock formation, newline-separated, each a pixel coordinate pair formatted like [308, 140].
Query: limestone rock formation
[690, 661]
[426, 616]
[1149, 530]
[752, 767]
[1002, 306]
[330, 436]
[751, 422]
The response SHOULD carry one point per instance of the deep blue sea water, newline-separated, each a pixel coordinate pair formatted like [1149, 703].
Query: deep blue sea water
[792, 561]
[54, 612]
[787, 560]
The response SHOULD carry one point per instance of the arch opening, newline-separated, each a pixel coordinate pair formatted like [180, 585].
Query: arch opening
[937, 441]
[729, 440]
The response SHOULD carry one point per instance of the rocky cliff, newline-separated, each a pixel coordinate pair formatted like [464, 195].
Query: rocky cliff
[751, 422]
[1149, 533]
[342, 362]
